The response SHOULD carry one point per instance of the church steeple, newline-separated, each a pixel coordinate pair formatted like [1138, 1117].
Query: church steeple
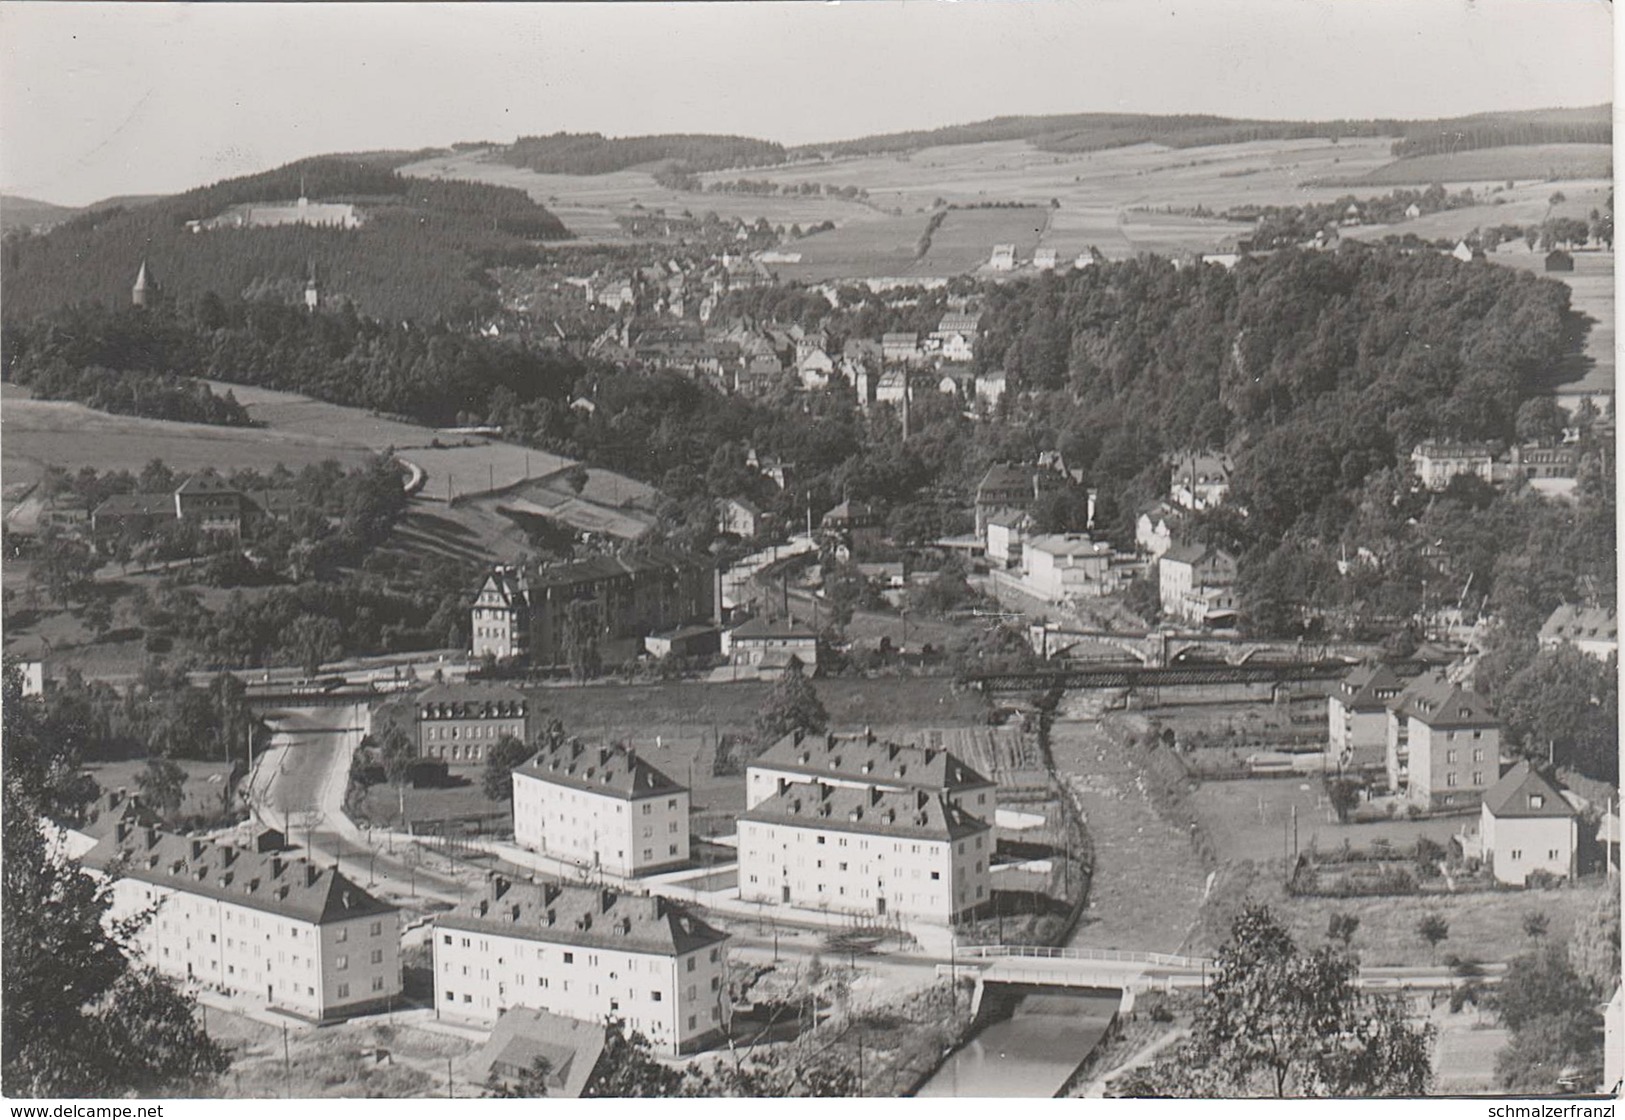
[145, 290]
[313, 297]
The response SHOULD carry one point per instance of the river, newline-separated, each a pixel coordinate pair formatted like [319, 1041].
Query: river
[1031, 1051]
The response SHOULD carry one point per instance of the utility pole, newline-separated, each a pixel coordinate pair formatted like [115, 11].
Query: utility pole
[287, 1065]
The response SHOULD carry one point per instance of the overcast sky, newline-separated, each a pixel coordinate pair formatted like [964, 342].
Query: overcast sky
[106, 99]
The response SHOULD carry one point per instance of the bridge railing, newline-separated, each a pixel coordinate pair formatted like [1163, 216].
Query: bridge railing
[1066, 953]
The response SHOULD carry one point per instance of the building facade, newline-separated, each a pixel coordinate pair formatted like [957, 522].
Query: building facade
[1594, 631]
[1196, 585]
[460, 723]
[1200, 479]
[860, 760]
[867, 851]
[769, 644]
[301, 939]
[1061, 567]
[600, 808]
[499, 622]
[1444, 745]
[585, 953]
[588, 607]
[1437, 463]
[1527, 826]
[1357, 719]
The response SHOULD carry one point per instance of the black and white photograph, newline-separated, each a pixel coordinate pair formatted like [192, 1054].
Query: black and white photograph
[877, 549]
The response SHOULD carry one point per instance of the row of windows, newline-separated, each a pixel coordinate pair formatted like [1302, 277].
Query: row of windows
[1551, 853]
[1450, 756]
[478, 731]
[1450, 779]
[895, 896]
[656, 964]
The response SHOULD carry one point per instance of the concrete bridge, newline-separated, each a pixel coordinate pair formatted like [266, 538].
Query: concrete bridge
[1165, 648]
[1131, 972]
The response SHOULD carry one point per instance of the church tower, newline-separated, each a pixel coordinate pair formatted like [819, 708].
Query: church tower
[313, 297]
[145, 291]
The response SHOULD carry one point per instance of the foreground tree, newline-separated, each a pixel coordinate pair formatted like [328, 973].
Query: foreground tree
[793, 705]
[1552, 1014]
[78, 1018]
[163, 786]
[496, 780]
[1278, 1021]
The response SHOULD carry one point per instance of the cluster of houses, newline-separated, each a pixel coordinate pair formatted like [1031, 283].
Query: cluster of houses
[752, 359]
[1436, 746]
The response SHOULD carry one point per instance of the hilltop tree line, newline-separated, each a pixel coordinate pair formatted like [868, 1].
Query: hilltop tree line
[420, 254]
[157, 396]
[592, 153]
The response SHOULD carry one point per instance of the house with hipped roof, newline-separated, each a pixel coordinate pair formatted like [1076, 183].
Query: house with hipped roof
[865, 850]
[1444, 744]
[586, 953]
[1526, 826]
[1594, 631]
[859, 759]
[273, 929]
[602, 808]
[1357, 719]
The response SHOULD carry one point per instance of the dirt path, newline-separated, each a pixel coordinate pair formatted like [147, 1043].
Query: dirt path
[1148, 882]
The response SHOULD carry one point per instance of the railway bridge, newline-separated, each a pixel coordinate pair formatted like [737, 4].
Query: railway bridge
[1173, 647]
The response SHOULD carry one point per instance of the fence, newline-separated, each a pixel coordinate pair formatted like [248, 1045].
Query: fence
[1069, 953]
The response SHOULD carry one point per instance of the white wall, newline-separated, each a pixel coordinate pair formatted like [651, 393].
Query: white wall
[478, 975]
[623, 837]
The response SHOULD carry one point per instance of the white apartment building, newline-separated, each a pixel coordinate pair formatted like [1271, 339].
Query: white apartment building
[1444, 745]
[1526, 825]
[1059, 567]
[499, 621]
[1196, 585]
[302, 939]
[604, 808]
[859, 760]
[585, 953]
[1357, 718]
[865, 851]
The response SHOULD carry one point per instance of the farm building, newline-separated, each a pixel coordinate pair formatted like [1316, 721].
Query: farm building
[1003, 259]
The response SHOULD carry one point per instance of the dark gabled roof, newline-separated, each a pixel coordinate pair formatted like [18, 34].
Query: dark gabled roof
[597, 568]
[1001, 478]
[589, 916]
[1433, 700]
[205, 484]
[1522, 792]
[1207, 466]
[862, 757]
[1364, 689]
[474, 700]
[849, 511]
[137, 505]
[772, 628]
[916, 814]
[277, 884]
[614, 771]
[572, 1048]
[1196, 554]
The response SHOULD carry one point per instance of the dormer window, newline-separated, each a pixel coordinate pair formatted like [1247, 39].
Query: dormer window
[1537, 800]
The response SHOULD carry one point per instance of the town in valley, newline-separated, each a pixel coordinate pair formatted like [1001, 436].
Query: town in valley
[1092, 605]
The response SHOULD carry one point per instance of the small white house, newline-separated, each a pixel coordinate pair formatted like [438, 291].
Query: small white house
[1526, 825]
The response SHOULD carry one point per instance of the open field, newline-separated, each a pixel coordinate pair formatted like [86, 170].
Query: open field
[1107, 199]
[1250, 820]
[1487, 925]
[38, 434]
[1524, 204]
[1548, 162]
[1591, 288]
[966, 238]
[587, 204]
[886, 247]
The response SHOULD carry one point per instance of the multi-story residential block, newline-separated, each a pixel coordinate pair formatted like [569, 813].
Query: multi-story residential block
[500, 620]
[1357, 719]
[604, 808]
[1062, 567]
[204, 500]
[865, 851]
[302, 939]
[853, 524]
[1197, 585]
[1444, 744]
[956, 335]
[460, 723]
[1437, 462]
[900, 347]
[859, 760]
[592, 605]
[1526, 825]
[586, 953]
[1594, 631]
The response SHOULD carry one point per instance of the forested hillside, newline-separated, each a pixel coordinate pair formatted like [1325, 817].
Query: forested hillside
[1319, 372]
[1086, 132]
[419, 254]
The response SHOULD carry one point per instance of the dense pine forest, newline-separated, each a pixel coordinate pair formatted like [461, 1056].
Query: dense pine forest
[420, 253]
